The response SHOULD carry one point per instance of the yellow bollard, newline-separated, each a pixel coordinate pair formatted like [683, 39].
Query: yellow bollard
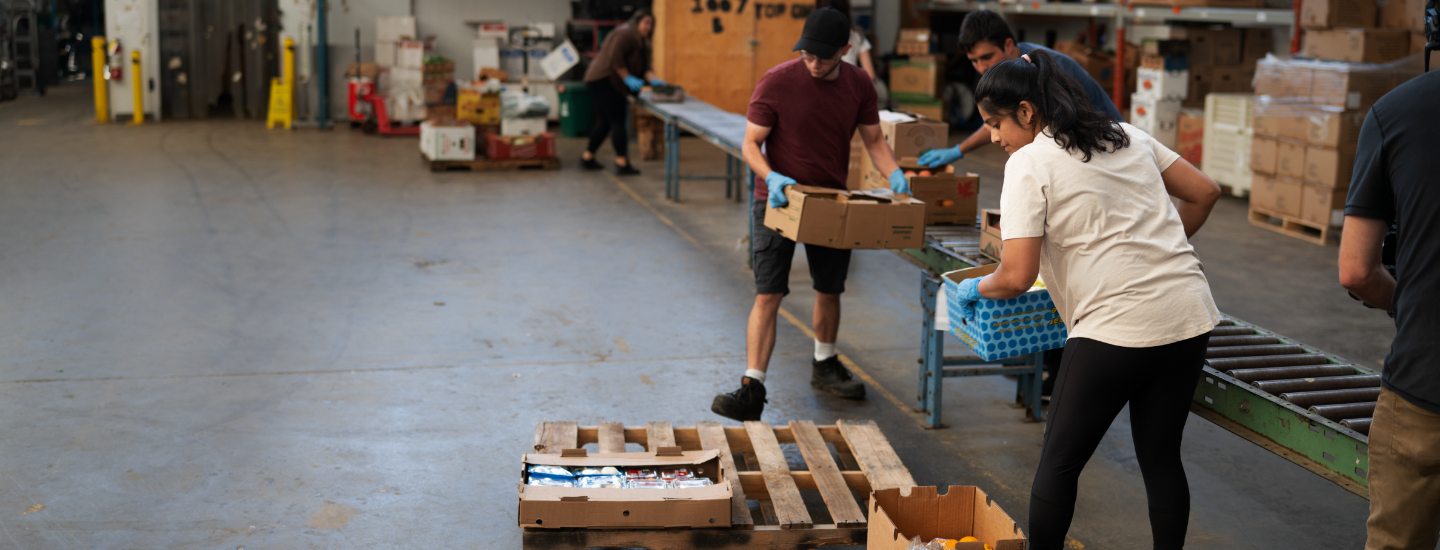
[289, 69]
[102, 92]
[136, 78]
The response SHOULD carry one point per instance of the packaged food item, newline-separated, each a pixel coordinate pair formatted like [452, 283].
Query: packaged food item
[547, 481]
[607, 482]
[647, 484]
[672, 474]
[594, 471]
[692, 482]
[553, 471]
[641, 473]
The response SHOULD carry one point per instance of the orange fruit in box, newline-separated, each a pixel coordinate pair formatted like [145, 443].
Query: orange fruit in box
[924, 173]
[909, 174]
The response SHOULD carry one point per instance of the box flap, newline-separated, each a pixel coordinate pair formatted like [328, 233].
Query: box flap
[962, 511]
[621, 459]
[970, 273]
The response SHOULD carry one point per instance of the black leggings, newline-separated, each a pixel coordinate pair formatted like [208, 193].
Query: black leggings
[610, 105]
[1096, 381]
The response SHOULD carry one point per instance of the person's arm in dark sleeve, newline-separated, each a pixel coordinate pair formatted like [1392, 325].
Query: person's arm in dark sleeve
[1369, 209]
[1093, 90]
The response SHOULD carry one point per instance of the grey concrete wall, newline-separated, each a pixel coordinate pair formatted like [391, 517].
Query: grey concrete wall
[445, 20]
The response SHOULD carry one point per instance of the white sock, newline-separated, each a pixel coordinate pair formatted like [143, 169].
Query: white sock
[758, 375]
[824, 351]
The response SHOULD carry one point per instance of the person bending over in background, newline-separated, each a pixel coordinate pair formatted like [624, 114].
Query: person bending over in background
[803, 113]
[1087, 207]
[623, 59]
[1395, 183]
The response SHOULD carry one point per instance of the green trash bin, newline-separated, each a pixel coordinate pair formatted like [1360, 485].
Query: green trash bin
[576, 111]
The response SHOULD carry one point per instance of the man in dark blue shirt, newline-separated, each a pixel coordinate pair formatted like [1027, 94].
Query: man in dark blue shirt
[987, 40]
[1397, 181]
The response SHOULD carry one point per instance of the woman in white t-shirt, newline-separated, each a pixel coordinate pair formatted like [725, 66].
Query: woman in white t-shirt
[1086, 206]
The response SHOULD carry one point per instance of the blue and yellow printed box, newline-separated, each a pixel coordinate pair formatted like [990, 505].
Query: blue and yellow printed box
[1004, 328]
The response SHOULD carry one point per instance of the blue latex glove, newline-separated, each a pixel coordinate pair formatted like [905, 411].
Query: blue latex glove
[899, 183]
[777, 183]
[657, 82]
[968, 296]
[634, 82]
[940, 157]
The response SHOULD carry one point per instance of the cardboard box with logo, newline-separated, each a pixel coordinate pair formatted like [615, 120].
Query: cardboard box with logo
[1276, 196]
[447, 141]
[909, 136]
[991, 243]
[1004, 328]
[1357, 45]
[918, 76]
[548, 507]
[949, 198]
[849, 219]
[963, 511]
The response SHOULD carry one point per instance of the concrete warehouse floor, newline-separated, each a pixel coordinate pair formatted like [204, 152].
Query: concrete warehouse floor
[218, 336]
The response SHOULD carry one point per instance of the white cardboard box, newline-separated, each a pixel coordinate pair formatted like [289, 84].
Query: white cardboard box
[394, 28]
[448, 142]
[560, 60]
[487, 54]
[385, 54]
[410, 54]
[1158, 117]
[522, 126]
[493, 29]
[1162, 84]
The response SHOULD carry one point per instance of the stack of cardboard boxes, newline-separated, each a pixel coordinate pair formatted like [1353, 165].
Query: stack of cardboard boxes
[1357, 31]
[917, 84]
[1162, 84]
[1307, 125]
[1223, 60]
[401, 61]
[949, 198]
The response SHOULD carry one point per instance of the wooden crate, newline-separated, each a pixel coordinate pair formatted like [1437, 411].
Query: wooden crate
[756, 467]
[1321, 234]
[481, 164]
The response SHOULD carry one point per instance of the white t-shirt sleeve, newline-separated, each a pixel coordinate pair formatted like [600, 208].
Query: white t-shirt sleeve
[1022, 199]
[1164, 157]
[864, 44]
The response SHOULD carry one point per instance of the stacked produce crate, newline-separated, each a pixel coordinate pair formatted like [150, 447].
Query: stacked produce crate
[917, 83]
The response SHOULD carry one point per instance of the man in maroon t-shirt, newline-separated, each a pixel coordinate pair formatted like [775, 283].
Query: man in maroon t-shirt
[804, 112]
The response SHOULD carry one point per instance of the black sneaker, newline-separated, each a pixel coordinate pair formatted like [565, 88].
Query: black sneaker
[743, 404]
[831, 376]
[591, 164]
[626, 170]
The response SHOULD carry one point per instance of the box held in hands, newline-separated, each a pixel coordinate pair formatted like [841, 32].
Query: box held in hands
[600, 508]
[949, 198]
[1004, 328]
[849, 219]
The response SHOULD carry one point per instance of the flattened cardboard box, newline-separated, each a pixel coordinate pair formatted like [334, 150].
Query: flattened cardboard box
[962, 511]
[595, 508]
[849, 219]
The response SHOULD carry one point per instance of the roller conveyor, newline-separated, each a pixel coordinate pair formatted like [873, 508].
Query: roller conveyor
[1277, 387]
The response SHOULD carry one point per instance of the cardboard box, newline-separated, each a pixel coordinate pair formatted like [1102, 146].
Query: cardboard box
[1263, 155]
[1351, 87]
[856, 170]
[1004, 328]
[1159, 118]
[560, 60]
[385, 54]
[1259, 41]
[1190, 137]
[410, 54]
[529, 126]
[1279, 79]
[1215, 47]
[849, 219]
[1290, 160]
[920, 75]
[1357, 45]
[476, 107]
[1099, 64]
[1161, 84]
[962, 511]
[934, 109]
[913, 42]
[908, 136]
[1326, 14]
[1403, 14]
[991, 242]
[1329, 168]
[362, 70]
[447, 141]
[1276, 195]
[599, 508]
[520, 147]
[394, 28]
[949, 198]
[1323, 206]
[1334, 130]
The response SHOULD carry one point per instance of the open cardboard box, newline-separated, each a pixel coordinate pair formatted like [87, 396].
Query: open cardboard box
[949, 198]
[990, 241]
[597, 508]
[963, 511]
[849, 219]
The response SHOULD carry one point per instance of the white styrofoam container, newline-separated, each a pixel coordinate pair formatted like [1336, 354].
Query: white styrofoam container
[487, 54]
[385, 54]
[561, 59]
[1229, 127]
[404, 80]
[394, 28]
[1158, 117]
[1162, 84]
[493, 29]
[410, 54]
[447, 142]
[522, 126]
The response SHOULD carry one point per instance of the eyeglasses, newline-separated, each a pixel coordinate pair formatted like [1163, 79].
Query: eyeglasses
[812, 58]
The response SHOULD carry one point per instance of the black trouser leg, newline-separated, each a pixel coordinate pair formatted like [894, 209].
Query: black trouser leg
[1096, 380]
[610, 106]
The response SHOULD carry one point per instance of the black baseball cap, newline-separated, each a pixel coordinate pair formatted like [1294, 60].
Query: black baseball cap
[826, 31]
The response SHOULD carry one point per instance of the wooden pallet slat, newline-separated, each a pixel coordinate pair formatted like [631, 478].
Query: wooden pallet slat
[658, 434]
[767, 506]
[551, 437]
[843, 508]
[712, 438]
[611, 437]
[875, 455]
[789, 507]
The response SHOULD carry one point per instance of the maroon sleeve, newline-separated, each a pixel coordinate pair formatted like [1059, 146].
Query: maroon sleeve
[869, 104]
[762, 103]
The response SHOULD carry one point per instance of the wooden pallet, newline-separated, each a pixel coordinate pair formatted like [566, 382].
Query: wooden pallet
[756, 468]
[485, 164]
[1304, 230]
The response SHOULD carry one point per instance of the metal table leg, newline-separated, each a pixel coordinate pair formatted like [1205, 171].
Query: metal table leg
[672, 161]
[729, 174]
[1029, 386]
[750, 212]
[932, 345]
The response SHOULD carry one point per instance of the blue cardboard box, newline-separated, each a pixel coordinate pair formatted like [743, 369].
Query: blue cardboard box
[1004, 328]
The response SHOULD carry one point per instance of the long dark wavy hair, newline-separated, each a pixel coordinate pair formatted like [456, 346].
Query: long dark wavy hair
[1061, 103]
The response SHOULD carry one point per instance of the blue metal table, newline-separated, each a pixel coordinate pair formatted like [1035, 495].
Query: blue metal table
[722, 129]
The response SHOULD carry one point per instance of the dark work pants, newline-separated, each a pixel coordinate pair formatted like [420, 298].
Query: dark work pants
[1096, 381]
[610, 108]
